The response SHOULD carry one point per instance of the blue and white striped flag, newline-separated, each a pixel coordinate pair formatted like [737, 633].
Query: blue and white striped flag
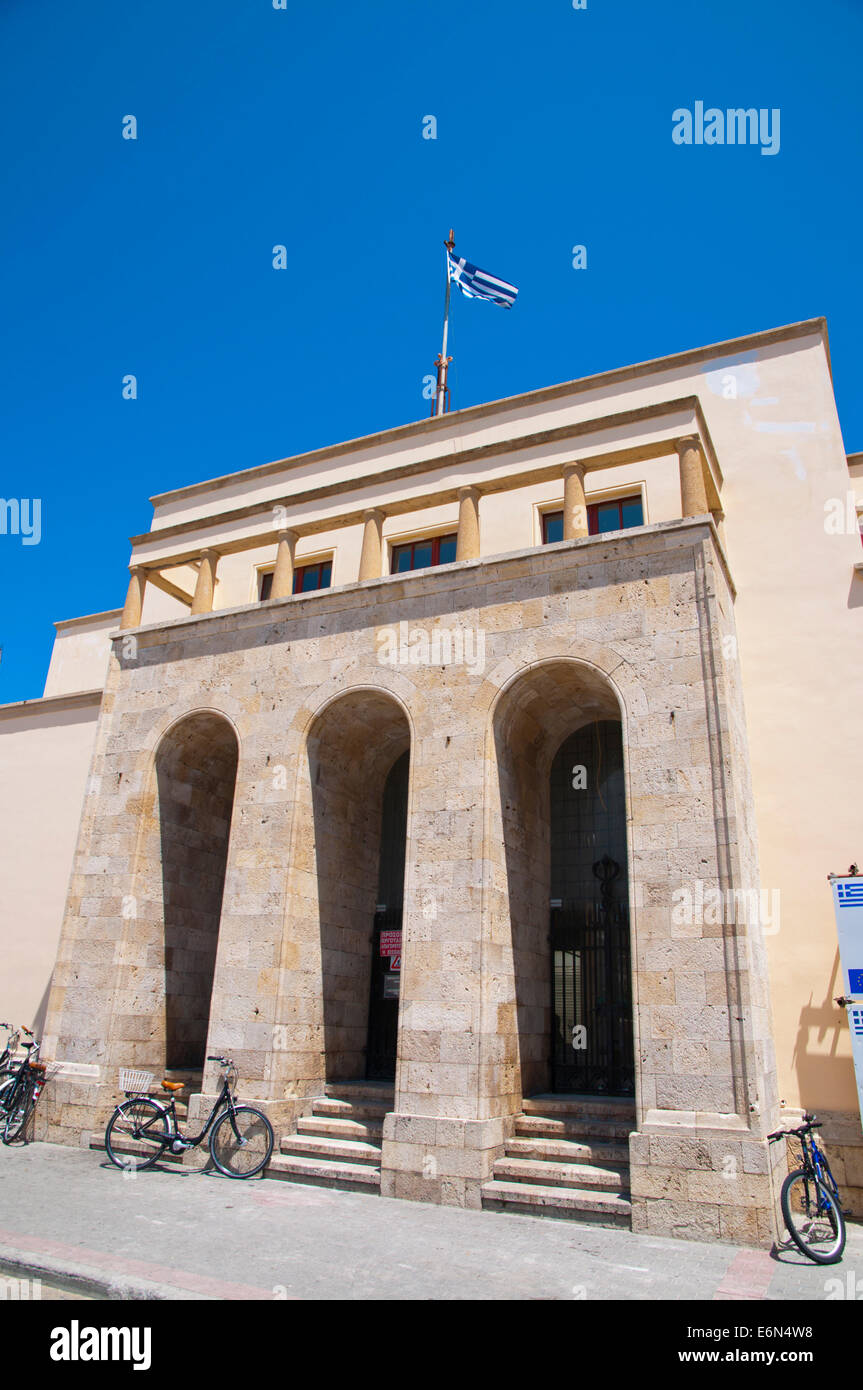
[478, 284]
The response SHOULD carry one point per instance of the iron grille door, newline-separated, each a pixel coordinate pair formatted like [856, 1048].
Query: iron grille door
[591, 1000]
[384, 998]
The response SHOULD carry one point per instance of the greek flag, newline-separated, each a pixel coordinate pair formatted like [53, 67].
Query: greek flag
[478, 284]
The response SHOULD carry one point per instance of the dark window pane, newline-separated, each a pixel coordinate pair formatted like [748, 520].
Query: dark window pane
[266, 586]
[403, 559]
[608, 516]
[309, 578]
[447, 550]
[422, 555]
[633, 513]
[553, 525]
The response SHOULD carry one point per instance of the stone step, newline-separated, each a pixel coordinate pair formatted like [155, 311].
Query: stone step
[323, 1173]
[544, 1174]
[359, 1109]
[383, 1091]
[326, 1127]
[316, 1146]
[570, 1151]
[601, 1208]
[618, 1108]
[544, 1127]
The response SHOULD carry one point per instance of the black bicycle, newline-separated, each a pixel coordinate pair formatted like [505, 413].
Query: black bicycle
[20, 1090]
[142, 1128]
[811, 1205]
[8, 1064]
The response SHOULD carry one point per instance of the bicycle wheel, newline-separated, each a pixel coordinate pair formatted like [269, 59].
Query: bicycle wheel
[18, 1111]
[241, 1142]
[813, 1217]
[137, 1135]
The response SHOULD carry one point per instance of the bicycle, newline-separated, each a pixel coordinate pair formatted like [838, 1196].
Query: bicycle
[142, 1127]
[21, 1091]
[811, 1205]
[8, 1063]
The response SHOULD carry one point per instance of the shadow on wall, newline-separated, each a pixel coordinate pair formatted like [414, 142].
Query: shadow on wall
[38, 1023]
[352, 748]
[196, 770]
[825, 1080]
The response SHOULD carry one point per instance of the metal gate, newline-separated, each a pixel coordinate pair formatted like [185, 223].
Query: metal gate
[591, 995]
[384, 998]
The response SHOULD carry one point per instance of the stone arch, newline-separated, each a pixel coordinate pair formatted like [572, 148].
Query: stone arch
[539, 706]
[351, 744]
[161, 1016]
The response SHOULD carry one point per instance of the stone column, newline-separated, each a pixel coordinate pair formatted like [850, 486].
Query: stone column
[283, 575]
[202, 602]
[372, 552]
[574, 502]
[134, 597]
[467, 545]
[693, 494]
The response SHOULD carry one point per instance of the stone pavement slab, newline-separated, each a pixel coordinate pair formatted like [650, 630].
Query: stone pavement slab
[169, 1233]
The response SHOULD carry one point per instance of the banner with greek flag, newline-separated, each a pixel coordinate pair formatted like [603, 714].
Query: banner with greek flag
[848, 907]
[478, 284]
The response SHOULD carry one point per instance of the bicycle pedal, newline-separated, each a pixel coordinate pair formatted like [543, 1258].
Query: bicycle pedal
[179, 1146]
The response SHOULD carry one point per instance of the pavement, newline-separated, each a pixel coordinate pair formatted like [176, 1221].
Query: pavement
[70, 1218]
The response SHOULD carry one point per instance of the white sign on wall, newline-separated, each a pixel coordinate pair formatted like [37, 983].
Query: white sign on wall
[848, 906]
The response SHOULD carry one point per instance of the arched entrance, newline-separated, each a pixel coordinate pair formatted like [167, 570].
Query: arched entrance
[387, 935]
[359, 760]
[591, 1046]
[196, 770]
[562, 881]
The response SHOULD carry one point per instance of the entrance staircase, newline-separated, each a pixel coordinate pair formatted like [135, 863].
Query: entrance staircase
[569, 1158]
[339, 1144]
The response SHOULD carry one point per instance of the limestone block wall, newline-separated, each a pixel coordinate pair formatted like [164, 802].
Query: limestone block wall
[321, 707]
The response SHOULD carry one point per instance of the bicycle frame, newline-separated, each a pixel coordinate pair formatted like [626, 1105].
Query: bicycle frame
[190, 1141]
[29, 1074]
[13, 1037]
[819, 1162]
[816, 1167]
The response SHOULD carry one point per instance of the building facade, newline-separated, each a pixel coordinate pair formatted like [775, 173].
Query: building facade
[475, 784]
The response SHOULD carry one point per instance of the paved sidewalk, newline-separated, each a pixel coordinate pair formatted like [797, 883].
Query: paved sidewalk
[69, 1214]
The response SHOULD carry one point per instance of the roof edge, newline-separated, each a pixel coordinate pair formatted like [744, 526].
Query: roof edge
[803, 328]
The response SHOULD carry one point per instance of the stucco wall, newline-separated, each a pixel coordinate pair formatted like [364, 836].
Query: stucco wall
[45, 752]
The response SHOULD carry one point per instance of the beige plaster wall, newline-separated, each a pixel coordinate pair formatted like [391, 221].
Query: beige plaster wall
[45, 752]
[79, 659]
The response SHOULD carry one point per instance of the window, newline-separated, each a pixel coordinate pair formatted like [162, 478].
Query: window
[552, 527]
[307, 578]
[616, 515]
[419, 555]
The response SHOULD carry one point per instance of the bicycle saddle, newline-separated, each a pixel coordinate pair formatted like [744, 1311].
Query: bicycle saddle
[172, 1085]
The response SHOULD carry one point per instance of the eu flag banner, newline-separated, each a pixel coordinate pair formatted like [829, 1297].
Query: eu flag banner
[478, 284]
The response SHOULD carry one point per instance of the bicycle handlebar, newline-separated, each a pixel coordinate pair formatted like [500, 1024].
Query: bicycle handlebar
[223, 1061]
[810, 1123]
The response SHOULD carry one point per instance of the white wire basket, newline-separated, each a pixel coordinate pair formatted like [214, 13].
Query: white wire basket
[134, 1081]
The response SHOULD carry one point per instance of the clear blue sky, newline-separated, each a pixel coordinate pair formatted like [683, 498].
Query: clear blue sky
[303, 126]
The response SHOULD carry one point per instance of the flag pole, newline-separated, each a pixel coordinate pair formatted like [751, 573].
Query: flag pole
[442, 363]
